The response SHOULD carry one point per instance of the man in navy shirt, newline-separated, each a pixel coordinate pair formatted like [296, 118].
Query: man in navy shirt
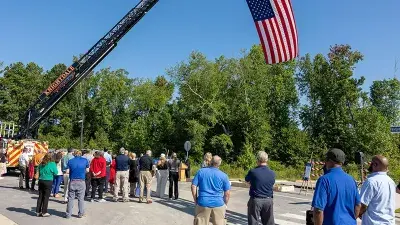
[122, 164]
[77, 169]
[336, 198]
[213, 196]
[262, 180]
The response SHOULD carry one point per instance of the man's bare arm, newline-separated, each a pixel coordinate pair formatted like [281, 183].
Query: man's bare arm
[318, 216]
[227, 195]
[194, 194]
[397, 190]
[360, 209]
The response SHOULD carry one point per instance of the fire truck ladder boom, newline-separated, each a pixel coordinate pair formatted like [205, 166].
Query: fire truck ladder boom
[79, 70]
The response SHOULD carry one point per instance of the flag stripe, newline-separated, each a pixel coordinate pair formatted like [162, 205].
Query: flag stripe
[292, 26]
[278, 36]
[273, 41]
[282, 20]
[261, 33]
[276, 29]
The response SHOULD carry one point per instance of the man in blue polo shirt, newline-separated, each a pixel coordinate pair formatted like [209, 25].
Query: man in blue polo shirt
[262, 180]
[336, 199]
[77, 169]
[213, 196]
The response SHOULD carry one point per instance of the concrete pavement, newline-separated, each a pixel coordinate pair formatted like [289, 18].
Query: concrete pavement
[18, 206]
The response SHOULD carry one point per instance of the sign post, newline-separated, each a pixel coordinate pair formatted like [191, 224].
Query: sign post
[187, 147]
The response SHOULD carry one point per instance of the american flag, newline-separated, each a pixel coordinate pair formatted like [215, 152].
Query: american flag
[276, 28]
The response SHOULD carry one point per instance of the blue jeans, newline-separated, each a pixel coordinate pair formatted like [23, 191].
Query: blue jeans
[56, 184]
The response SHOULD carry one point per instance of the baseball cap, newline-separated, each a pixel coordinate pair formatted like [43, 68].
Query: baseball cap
[336, 155]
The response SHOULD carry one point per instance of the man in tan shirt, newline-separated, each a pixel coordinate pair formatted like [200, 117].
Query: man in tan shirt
[36, 159]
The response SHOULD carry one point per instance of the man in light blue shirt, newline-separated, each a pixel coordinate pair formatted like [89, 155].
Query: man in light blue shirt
[64, 167]
[213, 196]
[378, 194]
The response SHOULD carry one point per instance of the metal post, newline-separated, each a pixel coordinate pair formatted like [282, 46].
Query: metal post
[82, 131]
[13, 130]
[8, 130]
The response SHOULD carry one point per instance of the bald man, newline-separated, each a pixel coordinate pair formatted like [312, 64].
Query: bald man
[378, 194]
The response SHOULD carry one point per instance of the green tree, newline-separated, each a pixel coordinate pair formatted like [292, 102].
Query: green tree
[20, 86]
[385, 96]
[332, 94]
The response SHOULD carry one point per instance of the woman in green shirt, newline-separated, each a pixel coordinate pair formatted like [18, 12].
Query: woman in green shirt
[47, 170]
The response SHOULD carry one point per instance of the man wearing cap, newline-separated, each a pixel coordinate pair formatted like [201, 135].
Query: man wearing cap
[336, 199]
[378, 194]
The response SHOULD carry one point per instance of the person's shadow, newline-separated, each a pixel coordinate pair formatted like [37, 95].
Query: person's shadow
[32, 212]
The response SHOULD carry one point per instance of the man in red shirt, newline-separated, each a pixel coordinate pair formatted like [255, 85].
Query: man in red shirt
[98, 172]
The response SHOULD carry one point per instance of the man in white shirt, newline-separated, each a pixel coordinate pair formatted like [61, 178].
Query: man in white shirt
[378, 194]
[24, 168]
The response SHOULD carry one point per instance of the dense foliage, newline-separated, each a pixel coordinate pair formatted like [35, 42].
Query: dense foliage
[232, 107]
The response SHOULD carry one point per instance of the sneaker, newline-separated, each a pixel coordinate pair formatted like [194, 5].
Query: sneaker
[81, 215]
[115, 199]
[101, 200]
[92, 200]
[57, 196]
[46, 215]
[38, 214]
[125, 200]
[149, 201]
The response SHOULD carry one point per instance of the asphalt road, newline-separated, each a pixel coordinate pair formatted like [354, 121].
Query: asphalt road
[18, 206]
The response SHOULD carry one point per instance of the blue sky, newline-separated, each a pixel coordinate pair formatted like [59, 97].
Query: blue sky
[49, 32]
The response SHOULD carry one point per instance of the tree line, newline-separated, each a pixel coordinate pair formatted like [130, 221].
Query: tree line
[232, 107]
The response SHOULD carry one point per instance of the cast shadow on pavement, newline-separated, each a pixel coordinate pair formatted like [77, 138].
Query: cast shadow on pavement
[188, 207]
[15, 188]
[50, 199]
[300, 203]
[32, 212]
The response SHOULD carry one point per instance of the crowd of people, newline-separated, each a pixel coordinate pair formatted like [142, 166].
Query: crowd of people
[336, 200]
[88, 173]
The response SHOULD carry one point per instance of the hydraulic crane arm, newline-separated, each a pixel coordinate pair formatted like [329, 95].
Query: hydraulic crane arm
[79, 70]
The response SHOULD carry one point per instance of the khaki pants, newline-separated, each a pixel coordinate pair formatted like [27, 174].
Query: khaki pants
[121, 181]
[202, 215]
[145, 181]
[66, 186]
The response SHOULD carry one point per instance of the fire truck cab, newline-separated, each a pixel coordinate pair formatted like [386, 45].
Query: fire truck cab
[14, 150]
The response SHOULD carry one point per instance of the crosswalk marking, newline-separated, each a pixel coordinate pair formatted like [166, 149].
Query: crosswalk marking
[5, 221]
[294, 216]
[287, 196]
[284, 222]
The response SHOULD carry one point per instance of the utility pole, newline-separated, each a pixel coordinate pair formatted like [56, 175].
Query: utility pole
[81, 121]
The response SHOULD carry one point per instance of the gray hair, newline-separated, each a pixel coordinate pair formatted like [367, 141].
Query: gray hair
[122, 151]
[148, 152]
[216, 161]
[262, 157]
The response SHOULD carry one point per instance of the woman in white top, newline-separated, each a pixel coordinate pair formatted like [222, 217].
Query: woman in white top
[57, 179]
